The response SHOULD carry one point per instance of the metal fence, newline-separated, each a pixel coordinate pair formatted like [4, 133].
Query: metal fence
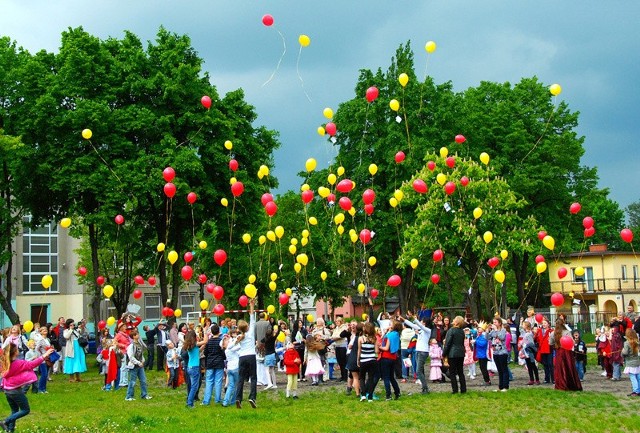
[596, 285]
[583, 320]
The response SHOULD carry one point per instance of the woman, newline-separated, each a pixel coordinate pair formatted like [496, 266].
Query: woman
[528, 350]
[389, 348]
[247, 369]
[423, 329]
[564, 372]
[214, 365]
[17, 374]
[454, 351]
[632, 361]
[367, 360]
[616, 352]
[42, 346]
[497, 336]
[352, 356]
[192, 347]
[74, 358]
[15, 337]
[298, 337]
[545, 354]
[270, 360]
[481, 352]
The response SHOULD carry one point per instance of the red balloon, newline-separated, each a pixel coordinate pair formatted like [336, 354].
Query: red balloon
[119, 219]
[368, 196]
[151, 281]
[100, 280]
[539, 317]
[365, 236]
[420, 186]
[438, 255]
[233, 165]
[626, 235]
[541, 234]
[271, 208]
[169, 189]
[394, 281]
[566, 342]
[368, 209]
[431, 165]
[557, 299]
[220, 256]
[218, 292]
[237, 189]
[330, 128]
[202, 278]
[137, 294]
[435, 278]
[206, 102]
[399, 157]
[587, 222]
[101, 325]
[344, 186]
[374, 293]
[187, 272]
[562, 272]
[493, 262]
[589, 232]
[188, 256]
[243, 301]
[218, 310]
[266, 198]
[331, 198]
[575, 208]
[372, 94]
[307, 196]
[539, 258]
[464, 181]
[449, 188]
[138, 279]
[267, 20]
[460, 139]
[192, 197]
[345, 203]
[210, 287]
[168, 174]
[450, 161]
[82, 271]
[283, 299]
[166, 311]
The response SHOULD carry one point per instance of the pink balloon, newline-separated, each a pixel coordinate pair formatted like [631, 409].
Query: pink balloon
[374, 293]
[365, 236]
[233, 165]
[449, 188]
[218, 292]
[186, 272]
[464, 181]
[271, 208]
[243, 301]
[626, 235]
[206, 102]
[192, 197]
[539, 258]
[438, 255]
[368, 196]
[119, 219]
[450, 161]
[307, 196]
[541, 234]
[575, 208]
[587, 222]
[431, 165]
[220, 256]
[210, 287]
[420, 186]
[266, 198]
[345, 203]
[267, 20]
[169, 189]
[330, 128]
[562, 272]
[368, 209]
[435, 278]
[237, 189]
[372, 94]
[188, 256]
[460, 139]
[344, 186]
[493, 262]
[557, 299]
[394, 281]
[168, 174]
[399, 157]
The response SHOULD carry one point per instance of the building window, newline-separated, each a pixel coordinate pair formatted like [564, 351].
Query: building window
[188, 303]
[40, 257]
[576, 278]
[152, 307]
[636, 277]
[624, 272]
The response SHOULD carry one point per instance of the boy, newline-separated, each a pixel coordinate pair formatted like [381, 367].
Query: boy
[173, 364]
[580, 350]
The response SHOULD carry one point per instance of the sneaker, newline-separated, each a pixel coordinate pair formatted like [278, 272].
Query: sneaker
[604, 373]
[363, 398]
[403, 381]
[147, 397]
[295, 397]
[537, 382]
[504, 390]
[388, 399]
[253, 403]
[268, 387]
[418, 382]
[397, 396]
[238, 404]
[375, 397]
[531, 382]
[274, 386]
[633, 394]
[129, 399]
[472, 377]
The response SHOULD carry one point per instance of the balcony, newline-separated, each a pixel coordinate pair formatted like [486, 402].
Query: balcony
[597, 286]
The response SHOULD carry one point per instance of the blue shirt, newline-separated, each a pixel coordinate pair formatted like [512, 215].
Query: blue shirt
[194, 357]
[394, 341]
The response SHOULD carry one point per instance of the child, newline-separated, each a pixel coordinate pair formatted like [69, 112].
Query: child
[173, 365]
[632, 361]
[331, 359]
[16, 374]
[233, 362]
[435, 353]
[468, 354]
[30, 356]
[580, 350]
[292, 365]
[135, 364]
[312, 358]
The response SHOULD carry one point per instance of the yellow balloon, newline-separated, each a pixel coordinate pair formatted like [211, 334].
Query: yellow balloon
[27, 326]
[87, 134]
[281, 337]
[228, 145]
[555, 89]
[352, 211]
[579, 271]
[288, 291]
[297, 267]
[441, 178]
[260, 174]
[310, 165]
[477, 213]
[271, 235]
[403, 79]
[160, 247]
[394, 104]
[224, 202]
[262, 239]
[430, 47]
[232, 180]
[361, 288]
[265, 170]
[250, 290]
[364, 316]
[323, 275]
[294, 241]
[487, 236]
[177, 312]
[107, 290]
[373, 169]
[549, 242]
[279, 231]
[444, 152]
[338, 218]
[304, 187]
[309, 317]
[305, 233]
[398, 194]
[340, 171]
[292, 249]
[246, 238]
[354, 237]
[252, 279]
[313, 221]
[172, 257]
[204, 304]
[340, 229]
[393, 202]
[47, 281]
[372, 261]
[504, 254]
[304, 241]
[320, 131]
[304, 40]
[324, 192]
[541, 267]
[484, 158]
[202, 245]
[65, 223]
[332, 178]
[328, 113]
[302, 259]
[352, 232]
[111, 321]
[414, 263]
[271, 309]
[499, 276]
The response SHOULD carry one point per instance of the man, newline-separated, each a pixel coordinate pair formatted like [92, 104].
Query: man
[261, 327]
[58, 330]
[150, 335]
[631, 314]
[161, 346]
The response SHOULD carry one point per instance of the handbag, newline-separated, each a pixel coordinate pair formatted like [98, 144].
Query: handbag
[83, 341]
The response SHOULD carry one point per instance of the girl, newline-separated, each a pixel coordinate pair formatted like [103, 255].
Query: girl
[292, 365]
[469, 362]
[214, 364]
[173, 364]
[247, 368]
[616, 349]
[498, 337]
[270, 360]
[529, 350]
[435, 353]
[192, 347]
[389, 348]
[545, 354]
[632, 361]
[231, 353]
[367, 359]
[481, 351]
[312, 358]
[16, 374]
[352, 358]
[565, 373]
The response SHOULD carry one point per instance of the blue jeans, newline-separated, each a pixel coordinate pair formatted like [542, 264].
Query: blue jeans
[635, 383]
[19, 406]
[580, 368]
[134, 374]
[44, 376]
[194, 380]
[421, 360]
[405, 354]
[213, 377]
[230, 395]
[616, 370]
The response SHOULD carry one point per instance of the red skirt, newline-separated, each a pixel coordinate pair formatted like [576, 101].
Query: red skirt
[565, 373]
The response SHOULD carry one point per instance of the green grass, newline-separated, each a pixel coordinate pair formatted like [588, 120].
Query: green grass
[83, 407]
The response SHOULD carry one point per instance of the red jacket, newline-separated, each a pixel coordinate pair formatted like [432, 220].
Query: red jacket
[290, 357]
[543, 341]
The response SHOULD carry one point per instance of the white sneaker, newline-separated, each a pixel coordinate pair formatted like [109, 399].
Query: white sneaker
[418, 382]
[274, 387]
[472, 377]
[268, 387]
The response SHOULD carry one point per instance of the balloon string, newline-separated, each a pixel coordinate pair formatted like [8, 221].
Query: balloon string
[300, 77]
[193, 229]
[233, 210]
[284, 50]
[192, 137]
[546, 126]
[364, 133]
[406, 122]
[103, 160]
[426, 65]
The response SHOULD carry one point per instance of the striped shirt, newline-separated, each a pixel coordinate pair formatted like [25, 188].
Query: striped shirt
[367, 352]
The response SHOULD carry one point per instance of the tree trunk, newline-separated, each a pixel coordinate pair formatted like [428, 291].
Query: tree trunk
[95, 268]
[520, 272]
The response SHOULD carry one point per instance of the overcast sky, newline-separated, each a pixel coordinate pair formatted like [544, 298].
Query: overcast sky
[592, 49]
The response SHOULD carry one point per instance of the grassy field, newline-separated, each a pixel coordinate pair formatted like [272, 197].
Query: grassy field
[84, 407]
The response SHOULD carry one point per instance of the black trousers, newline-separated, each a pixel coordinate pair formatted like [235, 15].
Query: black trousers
[161, 351]
[456, 372]
[341, 357]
